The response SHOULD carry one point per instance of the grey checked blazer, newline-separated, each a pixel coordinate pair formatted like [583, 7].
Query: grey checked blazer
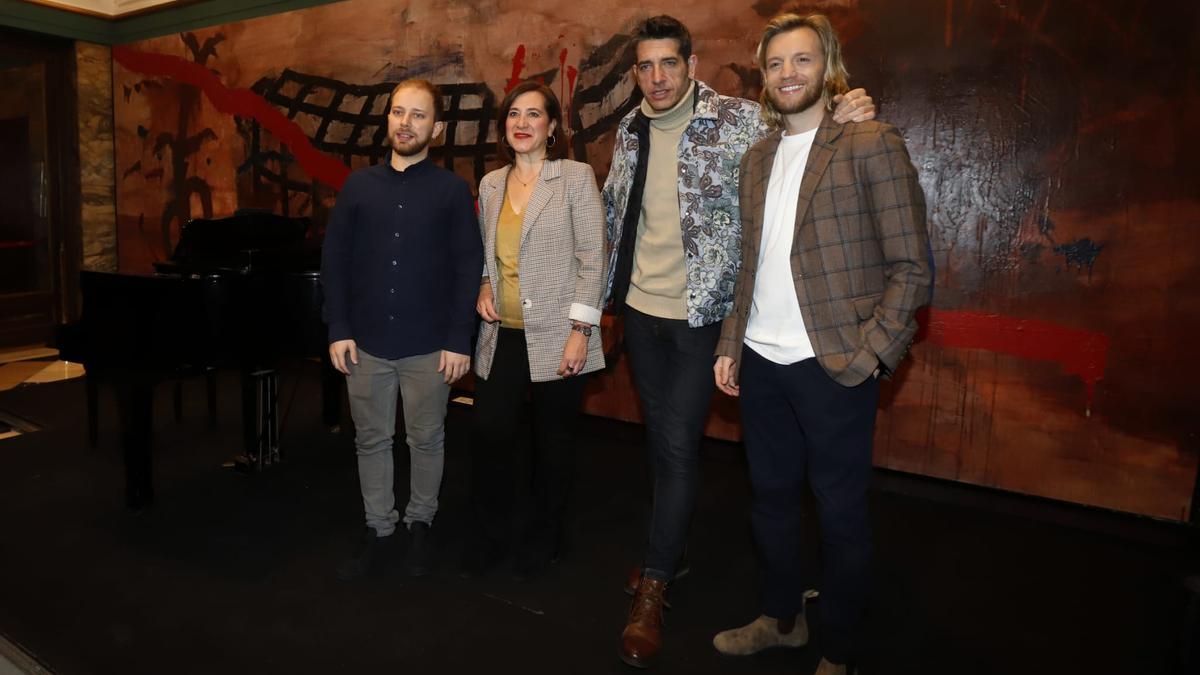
[860, 252]
[561, 266]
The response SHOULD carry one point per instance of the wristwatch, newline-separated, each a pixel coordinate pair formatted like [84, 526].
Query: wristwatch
[582, 328]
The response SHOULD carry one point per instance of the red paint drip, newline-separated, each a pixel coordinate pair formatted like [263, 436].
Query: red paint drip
[564, 91]
[518, 64]
[948, 31]
[1080, 352]
[240, 102]
[572, 72]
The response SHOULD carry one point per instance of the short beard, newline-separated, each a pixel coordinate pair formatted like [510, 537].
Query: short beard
[416, 147]
[811, 96]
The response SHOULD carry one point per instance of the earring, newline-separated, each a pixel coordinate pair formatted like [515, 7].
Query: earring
[551, 141]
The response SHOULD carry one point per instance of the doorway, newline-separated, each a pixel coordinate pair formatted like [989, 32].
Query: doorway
[39, 195]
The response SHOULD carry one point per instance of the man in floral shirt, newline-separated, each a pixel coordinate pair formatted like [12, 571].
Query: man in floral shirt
[671, 201]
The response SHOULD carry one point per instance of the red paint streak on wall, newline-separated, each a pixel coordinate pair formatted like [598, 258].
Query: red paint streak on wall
[562, 84]
[567, 84]
[240, 102]
[948, 36]
[518, 64]
[1080, 352]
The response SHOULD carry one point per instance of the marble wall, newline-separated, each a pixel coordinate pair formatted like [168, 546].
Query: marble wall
[97, 179]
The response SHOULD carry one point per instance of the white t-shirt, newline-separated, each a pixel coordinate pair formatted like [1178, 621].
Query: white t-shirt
[775, 329]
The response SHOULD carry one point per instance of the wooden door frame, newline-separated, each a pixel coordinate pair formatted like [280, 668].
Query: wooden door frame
[62, 177]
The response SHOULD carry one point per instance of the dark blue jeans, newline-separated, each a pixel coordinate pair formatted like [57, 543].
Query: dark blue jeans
[799, 424]
[672, 369]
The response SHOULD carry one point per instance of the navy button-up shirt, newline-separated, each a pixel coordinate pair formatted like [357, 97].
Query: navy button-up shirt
[401, 261]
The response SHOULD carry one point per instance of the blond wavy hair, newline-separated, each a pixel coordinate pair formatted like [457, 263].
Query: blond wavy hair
[836, 75]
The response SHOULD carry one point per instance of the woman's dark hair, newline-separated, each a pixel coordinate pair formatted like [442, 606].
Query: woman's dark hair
[556, 144]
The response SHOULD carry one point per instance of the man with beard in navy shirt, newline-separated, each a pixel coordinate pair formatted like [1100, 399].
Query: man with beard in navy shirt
[400, 269]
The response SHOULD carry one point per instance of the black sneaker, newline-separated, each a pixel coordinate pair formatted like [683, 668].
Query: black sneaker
[419, 560]
[372, 549]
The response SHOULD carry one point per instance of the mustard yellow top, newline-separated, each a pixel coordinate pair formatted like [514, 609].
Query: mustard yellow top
[508, 256]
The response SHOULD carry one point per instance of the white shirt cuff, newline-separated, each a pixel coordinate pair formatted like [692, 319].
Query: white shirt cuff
[585, 314]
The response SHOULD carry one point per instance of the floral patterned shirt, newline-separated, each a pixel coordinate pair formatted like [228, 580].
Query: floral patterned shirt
[710, 152]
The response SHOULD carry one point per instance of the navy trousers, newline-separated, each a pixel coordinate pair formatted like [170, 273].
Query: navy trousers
[799, 425]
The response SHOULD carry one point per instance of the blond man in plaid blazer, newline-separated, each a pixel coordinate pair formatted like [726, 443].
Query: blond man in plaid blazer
[834, 268]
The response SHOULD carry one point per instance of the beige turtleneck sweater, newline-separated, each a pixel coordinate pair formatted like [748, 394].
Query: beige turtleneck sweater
[659, 283]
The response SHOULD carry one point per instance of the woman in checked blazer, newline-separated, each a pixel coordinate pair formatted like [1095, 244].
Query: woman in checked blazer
[540, 299]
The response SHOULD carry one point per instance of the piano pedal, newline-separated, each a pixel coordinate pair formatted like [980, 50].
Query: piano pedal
[241, 462]
[245, 463]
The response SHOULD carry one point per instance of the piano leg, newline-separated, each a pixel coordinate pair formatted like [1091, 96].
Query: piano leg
[210, 385]
[270, 418]
[331, 394]
[249, 417]
[260, 422]
[92, 388]
[178, 398]
[134, 409]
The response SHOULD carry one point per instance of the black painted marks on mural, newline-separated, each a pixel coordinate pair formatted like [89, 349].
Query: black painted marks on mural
[183, 145]
[202, 52]
[749, 80]
[768, 8]
[349, 121]
[1081, 253]
[606, 70]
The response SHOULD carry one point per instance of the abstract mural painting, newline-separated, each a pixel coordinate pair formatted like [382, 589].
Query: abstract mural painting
[1051, 138]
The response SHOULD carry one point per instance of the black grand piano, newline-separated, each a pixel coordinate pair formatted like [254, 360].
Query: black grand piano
[240, 293]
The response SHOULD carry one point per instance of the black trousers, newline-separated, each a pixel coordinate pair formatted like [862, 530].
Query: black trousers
[799, 424]
[495, 452]
[672, 366]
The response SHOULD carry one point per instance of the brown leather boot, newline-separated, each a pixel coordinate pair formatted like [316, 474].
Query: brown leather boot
[641, 640]
[635, 574]
[830, 668]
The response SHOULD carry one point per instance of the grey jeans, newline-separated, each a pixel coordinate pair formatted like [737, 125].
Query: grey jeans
[373, 385]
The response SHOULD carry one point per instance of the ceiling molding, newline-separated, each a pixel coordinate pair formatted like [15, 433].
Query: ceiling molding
[62, 7]
[54, 17]
[93, 10]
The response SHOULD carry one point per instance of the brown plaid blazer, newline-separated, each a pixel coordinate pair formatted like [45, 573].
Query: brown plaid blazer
[859, 255]
[562, 267]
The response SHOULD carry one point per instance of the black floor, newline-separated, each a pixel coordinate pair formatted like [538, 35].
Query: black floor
[233, 573]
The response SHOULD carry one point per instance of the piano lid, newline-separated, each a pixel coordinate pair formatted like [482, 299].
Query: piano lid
[246, 241]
